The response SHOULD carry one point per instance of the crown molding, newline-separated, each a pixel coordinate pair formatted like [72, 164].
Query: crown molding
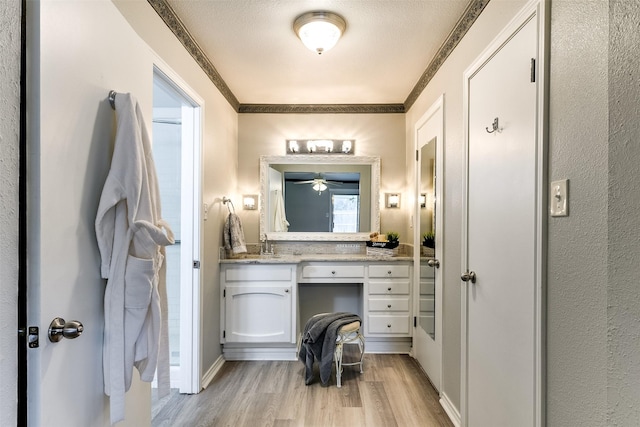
[168, 15]
[322, 108]
[471, 13]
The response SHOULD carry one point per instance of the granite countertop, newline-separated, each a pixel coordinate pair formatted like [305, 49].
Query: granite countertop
[296, 259]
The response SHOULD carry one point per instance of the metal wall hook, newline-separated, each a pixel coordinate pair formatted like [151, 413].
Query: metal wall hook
[112, 98]
[494, 126]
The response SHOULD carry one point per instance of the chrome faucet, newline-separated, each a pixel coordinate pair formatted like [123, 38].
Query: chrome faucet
[266, 248]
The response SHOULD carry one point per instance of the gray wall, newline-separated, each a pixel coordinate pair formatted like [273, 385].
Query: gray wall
[623, 293]
[577, 244]
[9, 151]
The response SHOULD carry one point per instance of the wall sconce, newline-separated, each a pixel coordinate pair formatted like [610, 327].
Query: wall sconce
[392, 200]
[320, 146]
[423, 200]
[250, 202]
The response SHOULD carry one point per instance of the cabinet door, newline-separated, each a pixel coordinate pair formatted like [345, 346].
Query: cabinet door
[258, 314]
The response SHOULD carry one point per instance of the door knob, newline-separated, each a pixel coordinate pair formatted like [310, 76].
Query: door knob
[433, 263]
[59, 329]
[469, 276]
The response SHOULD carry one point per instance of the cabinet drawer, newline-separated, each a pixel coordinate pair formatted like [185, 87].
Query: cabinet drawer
[389, 287]
[427, 304]
[332, 271]
[261, 273]
[427, 287]
[389, 304]
[427, 322]
[389, 271]
[388, 324]
[427, 272]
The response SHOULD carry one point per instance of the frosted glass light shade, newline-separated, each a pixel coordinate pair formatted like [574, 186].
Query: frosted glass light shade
[319, 31]
[319, 187]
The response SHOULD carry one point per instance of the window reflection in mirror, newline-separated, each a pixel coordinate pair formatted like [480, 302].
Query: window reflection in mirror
[323, 202]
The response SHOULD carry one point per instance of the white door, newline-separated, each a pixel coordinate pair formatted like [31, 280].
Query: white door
[176, 152]
[77, 52]
[501, 364]
[427, 336]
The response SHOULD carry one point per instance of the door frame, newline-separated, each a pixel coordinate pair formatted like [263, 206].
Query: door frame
[190, 297]
[432, 120]
[538, 10]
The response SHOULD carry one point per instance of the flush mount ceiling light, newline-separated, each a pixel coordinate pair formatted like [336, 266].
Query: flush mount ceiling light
[319, 31]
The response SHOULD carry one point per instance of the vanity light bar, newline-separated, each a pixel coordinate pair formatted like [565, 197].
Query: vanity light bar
[320, 146]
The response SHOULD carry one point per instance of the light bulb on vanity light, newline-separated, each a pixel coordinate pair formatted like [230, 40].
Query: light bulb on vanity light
[250, 202]
[392, 200]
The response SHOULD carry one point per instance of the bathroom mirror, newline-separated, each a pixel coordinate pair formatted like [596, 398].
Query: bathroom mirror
[427, 227]
[323, 197]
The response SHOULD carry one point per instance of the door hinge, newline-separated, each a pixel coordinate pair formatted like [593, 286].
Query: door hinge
[417, 155]
[33, 336]
[415, 321]
[196, 264]
[533, 70]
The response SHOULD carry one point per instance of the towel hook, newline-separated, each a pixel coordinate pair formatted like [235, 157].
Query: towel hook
[227, 201]
[494, 126]
[112, 98]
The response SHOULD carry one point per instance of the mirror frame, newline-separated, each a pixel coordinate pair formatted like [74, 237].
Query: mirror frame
[311, 159]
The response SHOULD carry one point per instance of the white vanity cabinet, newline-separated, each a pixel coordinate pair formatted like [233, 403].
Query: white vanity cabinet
[389, 300]
[265, 305]
[257, 303]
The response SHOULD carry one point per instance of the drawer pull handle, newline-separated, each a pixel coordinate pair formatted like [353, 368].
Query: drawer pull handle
[389, 288]
[388, 305]
[333, 272]
[286, 290]
[389, 325]
[389, 272]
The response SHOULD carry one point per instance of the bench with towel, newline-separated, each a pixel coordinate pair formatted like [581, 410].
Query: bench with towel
[319, 343]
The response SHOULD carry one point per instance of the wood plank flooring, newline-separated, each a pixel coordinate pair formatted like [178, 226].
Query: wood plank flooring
[392, 391]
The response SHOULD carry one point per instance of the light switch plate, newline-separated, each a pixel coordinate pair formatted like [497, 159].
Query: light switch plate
[559, 198]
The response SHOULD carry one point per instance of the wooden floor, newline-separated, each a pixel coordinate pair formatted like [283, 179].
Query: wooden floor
[392, 391]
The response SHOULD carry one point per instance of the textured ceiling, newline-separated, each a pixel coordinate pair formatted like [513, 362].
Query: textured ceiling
[386, 48]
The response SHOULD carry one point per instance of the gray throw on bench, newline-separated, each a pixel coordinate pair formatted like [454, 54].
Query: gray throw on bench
[319, 342]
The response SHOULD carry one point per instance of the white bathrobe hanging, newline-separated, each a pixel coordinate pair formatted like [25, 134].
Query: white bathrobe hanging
[131, 237]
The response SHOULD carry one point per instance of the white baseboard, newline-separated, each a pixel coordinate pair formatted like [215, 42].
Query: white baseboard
[450, 409]
[211, 372]
[260, 353]
[387, 345]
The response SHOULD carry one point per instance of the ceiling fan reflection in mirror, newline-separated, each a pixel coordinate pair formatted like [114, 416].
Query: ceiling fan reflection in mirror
[319, 184]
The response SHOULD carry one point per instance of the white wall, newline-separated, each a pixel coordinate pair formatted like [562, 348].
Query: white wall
[9, 158]
[80, 51]
[219, 158]
[375, 134]
[448, 81]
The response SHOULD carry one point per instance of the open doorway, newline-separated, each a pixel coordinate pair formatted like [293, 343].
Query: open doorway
[176, 151]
